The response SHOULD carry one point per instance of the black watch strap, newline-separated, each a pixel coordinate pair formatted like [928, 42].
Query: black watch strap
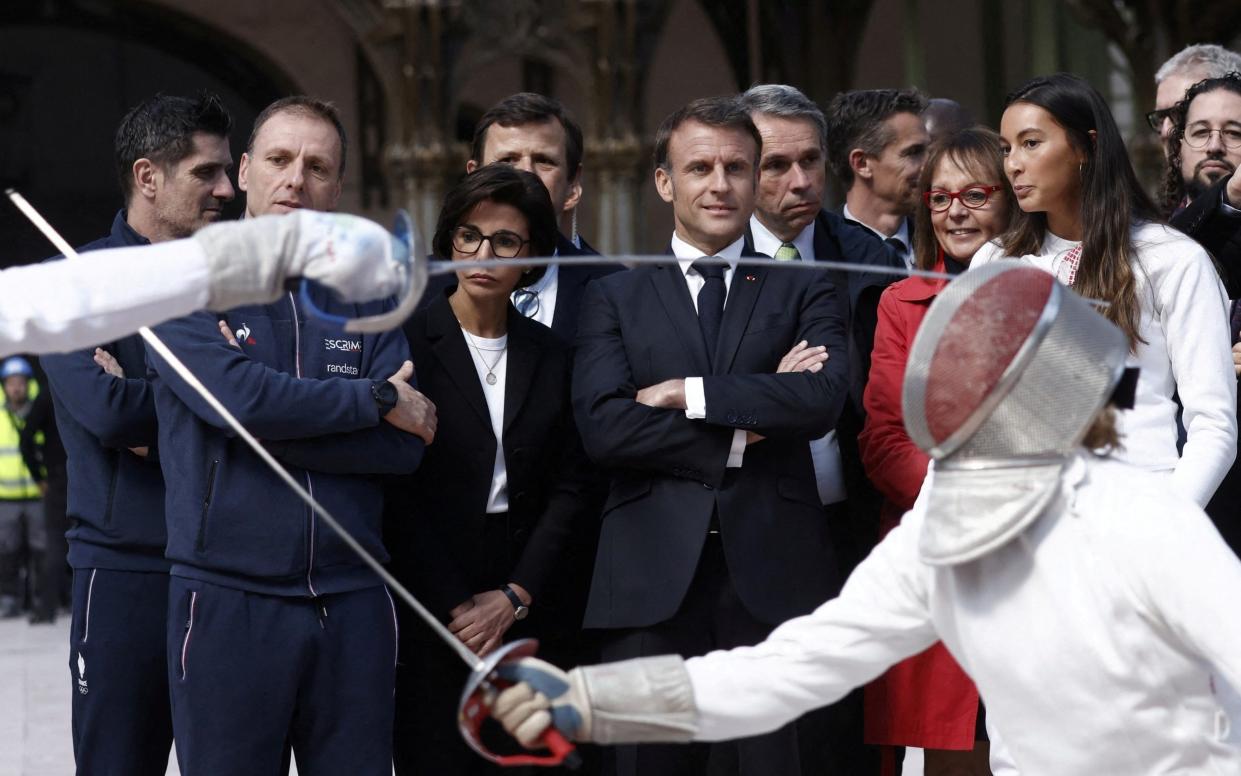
[513, 598]
[385, 395]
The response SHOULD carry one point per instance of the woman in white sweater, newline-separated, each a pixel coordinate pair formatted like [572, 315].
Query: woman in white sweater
[1085, 218]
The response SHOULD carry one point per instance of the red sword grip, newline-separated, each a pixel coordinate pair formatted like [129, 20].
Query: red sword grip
[562, 750]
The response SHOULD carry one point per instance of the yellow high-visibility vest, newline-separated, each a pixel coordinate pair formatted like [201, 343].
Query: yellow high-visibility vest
[15, 479]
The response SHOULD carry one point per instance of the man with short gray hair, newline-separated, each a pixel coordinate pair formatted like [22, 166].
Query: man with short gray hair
[789, 222]
[1184, 69]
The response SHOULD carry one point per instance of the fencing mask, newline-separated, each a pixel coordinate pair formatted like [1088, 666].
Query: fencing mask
[1007, 373]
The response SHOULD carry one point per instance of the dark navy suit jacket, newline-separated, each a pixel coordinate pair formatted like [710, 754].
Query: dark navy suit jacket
[667, 474]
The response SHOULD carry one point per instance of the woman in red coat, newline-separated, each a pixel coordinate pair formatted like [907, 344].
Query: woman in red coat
[928, 701]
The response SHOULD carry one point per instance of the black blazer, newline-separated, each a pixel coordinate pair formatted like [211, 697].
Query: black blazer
[840, 240]
[1205, 220]
[438, 512]
[1219, 232]
[571, 286]
[667, 473]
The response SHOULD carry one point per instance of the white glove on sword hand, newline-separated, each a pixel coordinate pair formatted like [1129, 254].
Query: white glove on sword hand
[647, 699]
[250, 260]
[542, 695]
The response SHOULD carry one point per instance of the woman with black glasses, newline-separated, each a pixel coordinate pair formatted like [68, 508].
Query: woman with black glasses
[480, 531]
[927, 701]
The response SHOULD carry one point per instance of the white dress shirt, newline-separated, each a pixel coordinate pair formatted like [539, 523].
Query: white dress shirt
[695, 397]
[545, 292]
[829, 475]
[901, 234]
[767, 243]
[492, 354]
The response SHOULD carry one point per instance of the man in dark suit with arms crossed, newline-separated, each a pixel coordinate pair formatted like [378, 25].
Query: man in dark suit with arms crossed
[693, 388]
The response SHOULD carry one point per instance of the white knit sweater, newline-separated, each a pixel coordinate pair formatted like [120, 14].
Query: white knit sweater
[1187, 350]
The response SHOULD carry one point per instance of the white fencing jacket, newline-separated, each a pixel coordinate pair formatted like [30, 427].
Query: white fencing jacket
[65, 305]
[1092, 635]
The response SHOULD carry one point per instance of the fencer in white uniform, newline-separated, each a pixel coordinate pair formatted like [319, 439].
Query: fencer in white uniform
[1089, 601]
[63, 305]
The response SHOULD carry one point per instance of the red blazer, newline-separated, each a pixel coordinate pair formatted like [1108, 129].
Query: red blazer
[926, 701]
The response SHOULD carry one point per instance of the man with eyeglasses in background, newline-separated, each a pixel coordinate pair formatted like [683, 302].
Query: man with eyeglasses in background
[1204, 152]
[1202, 185]
[1184, 69]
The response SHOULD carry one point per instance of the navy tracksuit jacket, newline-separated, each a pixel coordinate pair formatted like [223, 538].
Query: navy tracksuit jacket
[304, 389]
[122, 722]
[278, 635]
[116, 499]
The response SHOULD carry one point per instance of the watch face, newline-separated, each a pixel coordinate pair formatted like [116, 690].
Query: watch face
[520, 612]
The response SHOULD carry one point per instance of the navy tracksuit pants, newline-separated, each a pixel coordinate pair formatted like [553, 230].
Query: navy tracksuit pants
[122, 725]
[252, 675]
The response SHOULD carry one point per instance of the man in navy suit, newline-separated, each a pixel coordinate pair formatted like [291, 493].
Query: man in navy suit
[536, 134]
[697, 387]
[789, 223]
[877, 143]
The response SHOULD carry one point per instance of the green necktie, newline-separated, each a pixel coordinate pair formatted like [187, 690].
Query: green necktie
[787, 252]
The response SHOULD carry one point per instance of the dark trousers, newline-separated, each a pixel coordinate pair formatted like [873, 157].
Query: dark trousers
[712, 616]
[122, 725]
[430, 678]
[53, 575]
[22, 546]
[253, 675]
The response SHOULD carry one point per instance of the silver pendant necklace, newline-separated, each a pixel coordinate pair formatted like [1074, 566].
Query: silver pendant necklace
[491, 368]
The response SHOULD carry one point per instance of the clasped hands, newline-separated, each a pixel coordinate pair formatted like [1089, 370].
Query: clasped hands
[481, 621]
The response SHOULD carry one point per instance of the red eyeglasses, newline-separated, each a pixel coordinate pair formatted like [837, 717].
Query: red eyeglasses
[972, 197]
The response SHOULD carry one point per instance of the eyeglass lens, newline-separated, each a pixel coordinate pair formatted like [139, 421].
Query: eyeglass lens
[1200, 136]
[971, 198]
[504, 244]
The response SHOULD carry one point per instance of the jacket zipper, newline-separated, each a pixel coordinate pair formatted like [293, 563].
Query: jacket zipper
[310, 487]
[201, 543]
[189, 628]
[116, 473]
[90, 593]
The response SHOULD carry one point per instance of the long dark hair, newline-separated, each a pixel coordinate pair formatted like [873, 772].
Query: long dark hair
[1112, 199]
[975, 150]
[1173, 189]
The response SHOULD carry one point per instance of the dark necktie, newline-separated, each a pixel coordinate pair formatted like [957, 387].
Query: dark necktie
[898, 245]
[710, 303]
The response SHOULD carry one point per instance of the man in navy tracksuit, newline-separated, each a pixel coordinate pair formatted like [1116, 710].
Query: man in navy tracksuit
[173, 158]
[278, 635]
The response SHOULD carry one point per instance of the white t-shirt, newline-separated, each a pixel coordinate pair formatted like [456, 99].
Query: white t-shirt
[1186, 351]
[491, 356]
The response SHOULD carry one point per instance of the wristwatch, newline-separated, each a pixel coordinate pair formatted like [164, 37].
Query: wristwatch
[520, 610]
[385, 396]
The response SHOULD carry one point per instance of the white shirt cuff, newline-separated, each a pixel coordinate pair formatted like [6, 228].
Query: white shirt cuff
[696, 409]
[695, 399]
[737, 453]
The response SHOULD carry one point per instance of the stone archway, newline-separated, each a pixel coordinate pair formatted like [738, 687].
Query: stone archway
[69, 72]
